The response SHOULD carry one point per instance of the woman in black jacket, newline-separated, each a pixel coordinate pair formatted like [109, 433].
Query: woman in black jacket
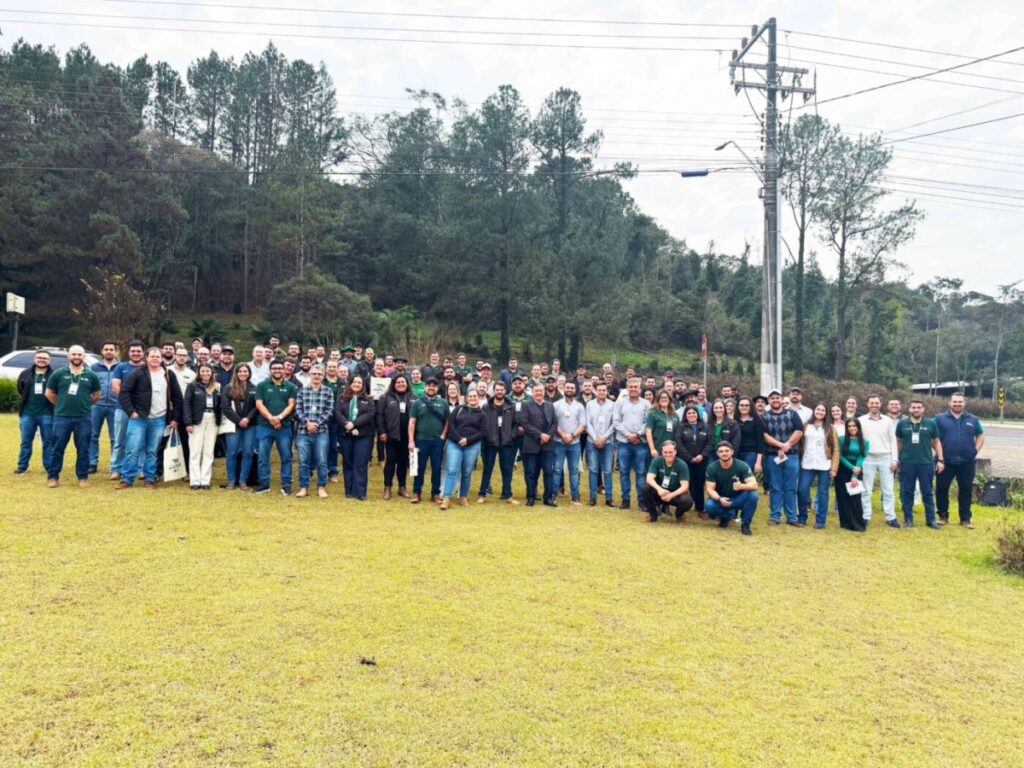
[201, 413]
[355, 414]
[393, 428]
[238, 406]
[693, 442]
[752, 429]
[721, 427]
[466, 429]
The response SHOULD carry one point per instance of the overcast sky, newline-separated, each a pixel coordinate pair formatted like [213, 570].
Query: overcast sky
[661, 109]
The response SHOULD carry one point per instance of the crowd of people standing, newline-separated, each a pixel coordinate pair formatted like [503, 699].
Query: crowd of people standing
[674, 449]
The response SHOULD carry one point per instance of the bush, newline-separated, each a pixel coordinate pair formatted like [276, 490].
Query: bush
[1010, 548]
[9, 399]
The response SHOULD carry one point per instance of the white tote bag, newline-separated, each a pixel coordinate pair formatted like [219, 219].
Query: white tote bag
[174, 460]
[414, 462]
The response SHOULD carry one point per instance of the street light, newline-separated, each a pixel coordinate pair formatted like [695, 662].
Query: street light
[752, 164]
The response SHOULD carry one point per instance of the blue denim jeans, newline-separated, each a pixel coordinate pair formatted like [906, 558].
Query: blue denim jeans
[102, 414]
[745, 503]
[599, 465]
[570, 453]
[28, 425]
[282, 438]
[784, 483]
[632, 457]
[506, 458]
[142, 444]
[239, 444]
[312, 454]
[912, 475]
[749, 458]
[432, 451]
[118, 443]
[332, 448]
[458, 463]
[535, 465]
[64, 428]
[807, 477]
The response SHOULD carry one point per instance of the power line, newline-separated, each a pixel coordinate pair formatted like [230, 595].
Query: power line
[363, 38]
[956, 128]
[410, 30]
[545, 20]
[916, 77]
[951, 114]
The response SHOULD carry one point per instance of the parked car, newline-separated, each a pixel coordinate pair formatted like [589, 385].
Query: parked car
[13, 363]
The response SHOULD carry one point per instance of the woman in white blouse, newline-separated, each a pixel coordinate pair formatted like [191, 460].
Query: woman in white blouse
[819, 463]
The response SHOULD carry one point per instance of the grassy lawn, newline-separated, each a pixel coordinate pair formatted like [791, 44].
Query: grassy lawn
[175, 628]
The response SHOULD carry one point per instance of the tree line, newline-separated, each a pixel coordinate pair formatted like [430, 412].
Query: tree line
[131, 193]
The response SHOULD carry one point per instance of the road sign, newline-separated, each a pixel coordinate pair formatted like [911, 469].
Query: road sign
[1002, 396]
[15, 304]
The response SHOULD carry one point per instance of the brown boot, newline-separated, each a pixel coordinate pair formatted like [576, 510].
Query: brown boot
[463, 501]
[436, 498]
[387, 493]
[445, 503]
[415, 499]
[402, 492]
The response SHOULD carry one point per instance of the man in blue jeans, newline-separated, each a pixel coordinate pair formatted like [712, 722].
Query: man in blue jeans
[428, 426]
[600, 444]
[731, 489]
[106, 408]
[630, 419]
[783, 432]
[151, 400]
[920, 453]
[121, 372]
[71, 390]
[572, 422]
[35, 412]
[315, 407]
[275, 402]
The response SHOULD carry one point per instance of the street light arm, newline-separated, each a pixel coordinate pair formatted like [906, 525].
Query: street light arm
[753, 165]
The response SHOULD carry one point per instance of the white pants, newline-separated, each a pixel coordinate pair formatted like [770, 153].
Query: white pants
[200, 447]
[879, 465]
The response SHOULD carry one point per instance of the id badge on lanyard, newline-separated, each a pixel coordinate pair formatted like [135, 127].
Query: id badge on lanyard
[38, 388]
[665, 481]
[73, 389]
[915, 437]
[401, 407]
[209, 402]
[501, 419]
[519, 407]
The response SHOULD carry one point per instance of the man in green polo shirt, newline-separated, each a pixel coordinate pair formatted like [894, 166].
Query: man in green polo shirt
[920, 453]
[464, 374]
[428, 425]
[275, 401]
[731, 488]
[72, 390]
[668, 484]
[35, 411]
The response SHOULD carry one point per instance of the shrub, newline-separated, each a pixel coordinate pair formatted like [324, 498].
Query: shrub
[1010, 548]
[9, 399]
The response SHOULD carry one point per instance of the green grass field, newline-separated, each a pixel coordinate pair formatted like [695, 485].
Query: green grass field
[178, 628]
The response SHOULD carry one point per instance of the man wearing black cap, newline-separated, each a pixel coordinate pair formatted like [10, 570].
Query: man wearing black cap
[796, 399]
[226, 366]
[428, 425]
[551, 393]
[348, 360]
[399, 369]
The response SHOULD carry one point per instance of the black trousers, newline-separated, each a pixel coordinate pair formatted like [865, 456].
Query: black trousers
[697, 472]
[396, 462]
[652, 503]
[964, 476]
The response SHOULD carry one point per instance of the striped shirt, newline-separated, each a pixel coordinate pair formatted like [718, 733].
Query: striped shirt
[315, 405]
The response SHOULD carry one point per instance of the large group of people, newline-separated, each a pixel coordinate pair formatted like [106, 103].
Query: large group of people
[675, 450]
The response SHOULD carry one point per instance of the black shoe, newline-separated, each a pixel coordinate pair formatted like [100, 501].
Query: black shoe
[745, 529]
[592, 503]
[20, 471]
[967, 524]
[795, 523]
[92, 470]
[893, 523]
[261, 489]
[609, 503]
[205, 487]
[908, 523]
[286, 491]
[530, 502]
[934, 526]
[624, 505]
[723, 522]
[550, 503]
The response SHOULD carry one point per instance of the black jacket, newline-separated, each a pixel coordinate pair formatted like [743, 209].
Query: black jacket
[366, 415]
[391, 419]
[465, 422]
[535, 420]
[236, 410]
[506, 433]
[730, 432]
[693, 444]
[194, 406]
[25, 381]
[137, 392]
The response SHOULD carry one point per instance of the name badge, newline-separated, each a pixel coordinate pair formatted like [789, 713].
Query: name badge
[73, 388]
[519, 407]
[500, 420]
[665, 481]
[600, 422]
[209, 401]
[38, 388]
[915, 437]
[401, 407]
[669, 424]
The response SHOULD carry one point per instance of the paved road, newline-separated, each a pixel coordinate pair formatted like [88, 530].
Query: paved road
[1004, 445]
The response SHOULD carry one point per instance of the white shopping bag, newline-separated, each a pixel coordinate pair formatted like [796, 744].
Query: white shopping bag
[174, 460]
[227, 427]
[855, 491]
[414, 462]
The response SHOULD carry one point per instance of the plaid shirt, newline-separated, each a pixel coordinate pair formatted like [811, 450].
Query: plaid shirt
[315, 405]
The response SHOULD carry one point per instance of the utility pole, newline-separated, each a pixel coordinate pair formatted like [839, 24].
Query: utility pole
[773, 87]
